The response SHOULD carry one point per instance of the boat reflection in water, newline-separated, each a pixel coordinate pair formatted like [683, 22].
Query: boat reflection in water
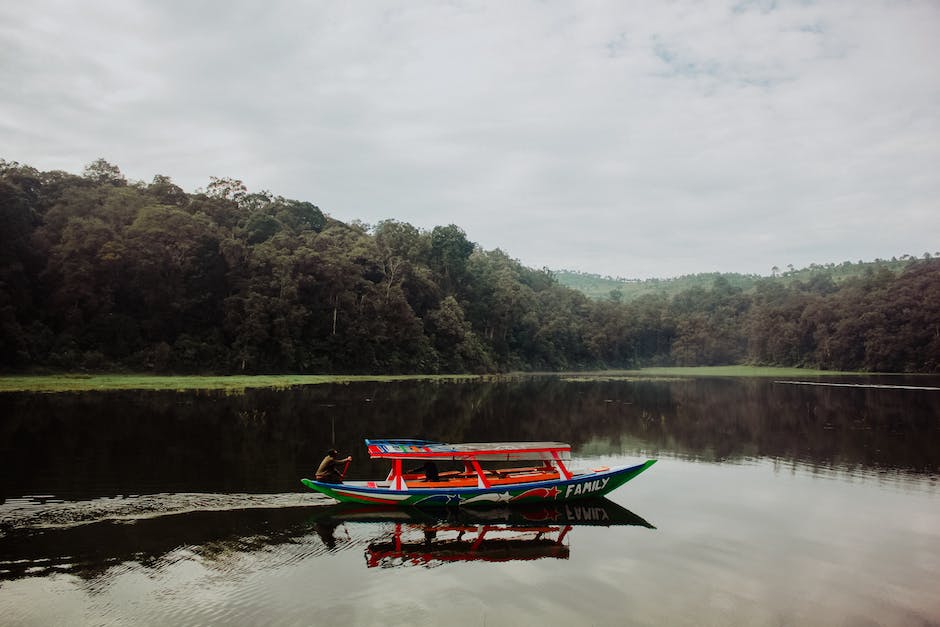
[433, 537]
[427, 545]
[227, 540]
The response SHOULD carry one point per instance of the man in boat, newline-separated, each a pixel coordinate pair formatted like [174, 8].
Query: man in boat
[329, 471]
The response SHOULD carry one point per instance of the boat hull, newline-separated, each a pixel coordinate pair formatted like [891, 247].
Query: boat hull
[588, 485]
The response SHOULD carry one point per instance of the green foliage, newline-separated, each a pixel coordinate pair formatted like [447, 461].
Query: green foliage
[606, 287]
[104, 173]
[231, 384]
[625, 290]
[99, 275]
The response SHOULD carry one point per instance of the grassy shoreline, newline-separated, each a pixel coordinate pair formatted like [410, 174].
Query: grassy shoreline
[182, 383]
[236, 383]
[735, 371]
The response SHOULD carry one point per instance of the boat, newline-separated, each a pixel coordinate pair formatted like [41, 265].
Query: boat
[551, 480]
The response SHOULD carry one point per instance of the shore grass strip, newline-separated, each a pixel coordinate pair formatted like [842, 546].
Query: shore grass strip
[239, 383]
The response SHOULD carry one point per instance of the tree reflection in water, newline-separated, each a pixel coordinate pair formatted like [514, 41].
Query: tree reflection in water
[103, 444]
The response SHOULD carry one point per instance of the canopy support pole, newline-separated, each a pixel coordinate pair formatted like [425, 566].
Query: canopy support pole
[482, 482]
[399, 483]
[561, 466]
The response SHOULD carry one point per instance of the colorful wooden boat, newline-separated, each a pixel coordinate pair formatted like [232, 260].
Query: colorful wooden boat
[551, 480]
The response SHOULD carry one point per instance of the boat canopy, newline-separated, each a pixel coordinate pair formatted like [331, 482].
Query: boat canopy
[481, 451]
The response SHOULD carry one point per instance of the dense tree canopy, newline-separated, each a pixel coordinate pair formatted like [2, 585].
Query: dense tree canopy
[101, 273]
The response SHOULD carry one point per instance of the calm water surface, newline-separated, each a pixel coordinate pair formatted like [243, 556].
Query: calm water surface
[772, 504]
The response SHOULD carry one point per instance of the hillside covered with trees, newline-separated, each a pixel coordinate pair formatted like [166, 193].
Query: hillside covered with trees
[99, 273]
[623, 290]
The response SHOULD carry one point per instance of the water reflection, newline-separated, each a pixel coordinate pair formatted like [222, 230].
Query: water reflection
[81, 446]
[434, 536]
[741, 543]
[392, 536]
[427, 545]
[90, 551]
[465, 536]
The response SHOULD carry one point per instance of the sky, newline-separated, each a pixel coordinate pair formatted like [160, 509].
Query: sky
[633, 139]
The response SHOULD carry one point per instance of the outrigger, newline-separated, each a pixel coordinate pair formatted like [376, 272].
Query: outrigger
[550, 481]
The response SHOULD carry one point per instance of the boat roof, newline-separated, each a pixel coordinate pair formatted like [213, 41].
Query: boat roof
[482, 451]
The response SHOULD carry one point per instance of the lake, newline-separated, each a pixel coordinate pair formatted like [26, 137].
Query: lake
[772, 503]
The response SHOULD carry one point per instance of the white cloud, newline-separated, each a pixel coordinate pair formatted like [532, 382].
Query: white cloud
[634, 139]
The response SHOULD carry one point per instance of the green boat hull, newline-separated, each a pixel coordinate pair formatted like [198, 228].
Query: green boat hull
[589, 485]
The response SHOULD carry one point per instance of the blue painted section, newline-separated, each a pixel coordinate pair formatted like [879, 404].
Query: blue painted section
[400, 441]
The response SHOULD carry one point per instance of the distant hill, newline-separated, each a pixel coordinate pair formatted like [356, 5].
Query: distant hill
[605, 287]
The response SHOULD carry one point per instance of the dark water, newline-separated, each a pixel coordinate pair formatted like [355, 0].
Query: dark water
[772, 504]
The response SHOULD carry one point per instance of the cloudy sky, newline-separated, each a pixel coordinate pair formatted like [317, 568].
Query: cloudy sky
[639, 139]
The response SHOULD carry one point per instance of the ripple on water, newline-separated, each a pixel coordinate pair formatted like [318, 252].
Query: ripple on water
[155, 532]
[47, 511]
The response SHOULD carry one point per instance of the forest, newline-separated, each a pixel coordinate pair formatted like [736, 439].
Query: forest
[621, 289]
[98, 273]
